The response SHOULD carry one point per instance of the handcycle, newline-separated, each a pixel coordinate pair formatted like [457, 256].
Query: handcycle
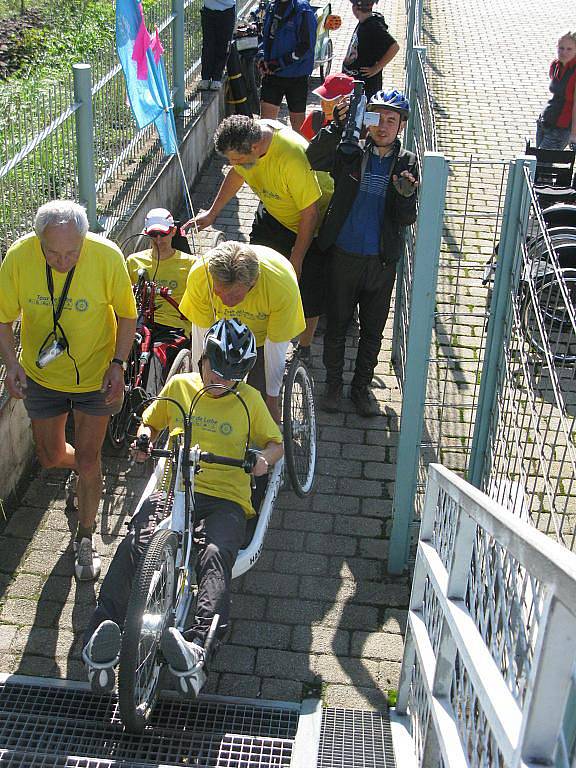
[147, 366]
[164, 587]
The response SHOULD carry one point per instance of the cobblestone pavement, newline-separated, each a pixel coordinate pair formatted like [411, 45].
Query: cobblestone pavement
[319, 601]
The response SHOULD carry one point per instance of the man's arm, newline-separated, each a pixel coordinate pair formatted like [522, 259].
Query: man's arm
[228, 189]
[15, 377]
[272, 453]
[381, 63]
[306, 229]
[274, 363]
[113, 381]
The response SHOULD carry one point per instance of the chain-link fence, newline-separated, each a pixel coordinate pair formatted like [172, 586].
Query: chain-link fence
[38, 138]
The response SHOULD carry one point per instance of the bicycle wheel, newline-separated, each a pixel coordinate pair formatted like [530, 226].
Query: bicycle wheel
[299, 417]
[549, 312]
[122, 424]
[150, 610]
[182, 364]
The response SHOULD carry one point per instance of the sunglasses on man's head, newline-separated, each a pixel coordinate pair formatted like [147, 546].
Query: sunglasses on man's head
[158, 234]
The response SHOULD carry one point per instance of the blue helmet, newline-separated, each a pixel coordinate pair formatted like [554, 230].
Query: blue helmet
[393, 99]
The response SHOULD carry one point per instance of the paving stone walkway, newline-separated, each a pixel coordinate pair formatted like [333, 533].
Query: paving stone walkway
[319, 602]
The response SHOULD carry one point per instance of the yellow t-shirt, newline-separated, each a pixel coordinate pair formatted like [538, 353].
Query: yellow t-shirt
[271, 309]
[220, 425]
[284, 181]
[100, 286]
[172, 273]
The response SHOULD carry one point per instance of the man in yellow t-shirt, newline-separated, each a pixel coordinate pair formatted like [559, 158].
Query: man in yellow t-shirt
[78, 318]
[221, 500]
[167, 267]
[271, 159]
[258, 286]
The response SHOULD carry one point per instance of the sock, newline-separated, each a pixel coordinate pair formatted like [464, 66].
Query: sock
[83, 533]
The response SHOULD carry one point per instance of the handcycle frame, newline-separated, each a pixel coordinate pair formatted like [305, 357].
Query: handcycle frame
[172, 545]
[140, 358]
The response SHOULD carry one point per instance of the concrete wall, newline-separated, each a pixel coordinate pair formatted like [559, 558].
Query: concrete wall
[195, 150]
[16, 446]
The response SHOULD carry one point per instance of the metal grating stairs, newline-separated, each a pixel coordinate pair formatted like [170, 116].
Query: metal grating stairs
[61, 724]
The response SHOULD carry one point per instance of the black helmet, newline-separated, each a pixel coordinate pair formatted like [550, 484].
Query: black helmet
[364, 5]
[230, 347]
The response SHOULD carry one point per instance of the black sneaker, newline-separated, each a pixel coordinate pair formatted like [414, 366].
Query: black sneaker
[364, 401]
[330, 401]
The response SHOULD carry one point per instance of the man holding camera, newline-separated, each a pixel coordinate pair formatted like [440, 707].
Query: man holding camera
[375, 185]
[78, 317]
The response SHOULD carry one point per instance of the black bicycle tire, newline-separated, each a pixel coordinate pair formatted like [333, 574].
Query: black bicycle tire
[531, 333]
[117, 429]
[298, 370]
[163, 545]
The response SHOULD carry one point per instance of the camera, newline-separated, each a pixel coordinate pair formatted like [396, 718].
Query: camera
[46, 356]
[354, 121]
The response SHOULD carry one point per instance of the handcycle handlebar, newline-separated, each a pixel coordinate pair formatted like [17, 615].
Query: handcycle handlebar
[247, 463]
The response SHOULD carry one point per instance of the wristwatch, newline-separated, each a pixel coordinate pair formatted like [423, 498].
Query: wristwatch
[122, 363]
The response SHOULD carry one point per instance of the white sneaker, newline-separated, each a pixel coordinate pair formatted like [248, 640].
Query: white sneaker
[181, 655]
[87, 562]
[100, 655]
[215, 85]
[185, 660]
[204, 85]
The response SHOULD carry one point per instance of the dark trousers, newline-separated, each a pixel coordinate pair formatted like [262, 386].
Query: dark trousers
[266, 230]
[217, 31]
[218, 533]
[366, 282]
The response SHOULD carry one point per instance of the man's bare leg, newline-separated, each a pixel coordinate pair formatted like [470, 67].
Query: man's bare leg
[296, 120]
[269, 111]
[90, 432]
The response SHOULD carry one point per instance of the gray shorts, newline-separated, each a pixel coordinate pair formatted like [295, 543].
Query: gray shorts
[43, 403]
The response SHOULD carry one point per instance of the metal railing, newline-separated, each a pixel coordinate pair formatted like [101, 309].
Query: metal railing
[527, 458]
[39, 143]
[491, 639]
[440, 374]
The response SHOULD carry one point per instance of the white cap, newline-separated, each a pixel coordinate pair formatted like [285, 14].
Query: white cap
[158, 220]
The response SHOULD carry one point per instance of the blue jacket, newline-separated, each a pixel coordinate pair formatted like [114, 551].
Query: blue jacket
[288, 42]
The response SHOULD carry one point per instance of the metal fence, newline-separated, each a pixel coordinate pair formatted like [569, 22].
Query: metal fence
[527, 457]
[491, 639]
[419, 137]
[38, 142]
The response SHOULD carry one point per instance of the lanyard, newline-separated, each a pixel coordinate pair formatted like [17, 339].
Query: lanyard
[56, 312]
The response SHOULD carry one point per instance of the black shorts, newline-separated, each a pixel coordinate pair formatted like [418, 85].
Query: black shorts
[266, 230]
[295, 89]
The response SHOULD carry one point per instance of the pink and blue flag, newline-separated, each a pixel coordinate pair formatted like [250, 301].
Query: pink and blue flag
[146, 82]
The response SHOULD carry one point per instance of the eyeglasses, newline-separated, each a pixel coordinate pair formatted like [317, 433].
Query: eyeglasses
[158, 234]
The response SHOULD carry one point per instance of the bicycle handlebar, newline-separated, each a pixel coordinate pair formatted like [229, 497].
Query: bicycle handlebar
[247, 463]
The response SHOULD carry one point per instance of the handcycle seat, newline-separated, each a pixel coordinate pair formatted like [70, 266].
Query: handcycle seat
[554, 167]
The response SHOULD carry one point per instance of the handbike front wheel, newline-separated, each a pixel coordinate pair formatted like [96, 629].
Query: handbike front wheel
[299, 418]
[149, 613]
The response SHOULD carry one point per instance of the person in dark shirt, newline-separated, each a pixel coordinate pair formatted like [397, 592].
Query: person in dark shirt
[375, 198]
[371, 48]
